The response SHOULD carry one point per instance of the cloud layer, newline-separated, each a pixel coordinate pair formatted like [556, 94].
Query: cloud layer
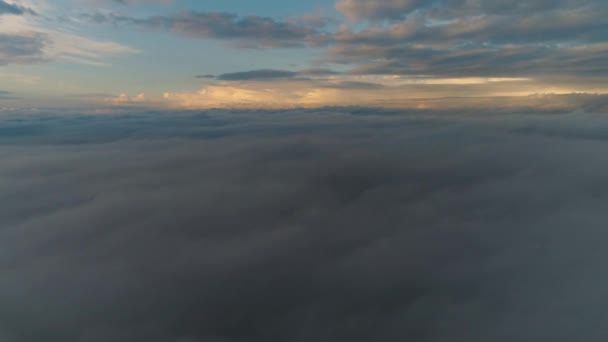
[303, 225]
[475, 38]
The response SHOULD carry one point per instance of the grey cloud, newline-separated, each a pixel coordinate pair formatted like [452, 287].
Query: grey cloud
[7, 95]
[355, 85]
[247, 31]
[6, 8]
[437, 38]
[526, 61]
[319, 72]
[270, 74]
[262, 74]
[22, 48]
[480, 38]
[347, 224]
[447, 9]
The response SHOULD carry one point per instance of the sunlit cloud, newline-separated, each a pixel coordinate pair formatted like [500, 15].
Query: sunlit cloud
[124, 99]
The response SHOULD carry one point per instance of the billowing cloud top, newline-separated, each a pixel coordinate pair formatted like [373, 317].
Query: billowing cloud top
[317, 225]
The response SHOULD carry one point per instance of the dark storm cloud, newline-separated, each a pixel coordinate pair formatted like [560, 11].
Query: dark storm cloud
[6, 8]
[22, 48]
[304, 225]
[247, 31]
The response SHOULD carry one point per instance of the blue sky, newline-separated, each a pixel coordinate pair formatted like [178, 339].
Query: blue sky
[150, 52]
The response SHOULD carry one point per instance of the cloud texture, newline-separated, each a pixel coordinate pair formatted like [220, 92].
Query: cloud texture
[247, 31]
[24, 48]
[14, 9]
[320, 225]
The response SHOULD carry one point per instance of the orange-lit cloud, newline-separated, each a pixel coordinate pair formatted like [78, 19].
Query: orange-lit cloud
[349, 90]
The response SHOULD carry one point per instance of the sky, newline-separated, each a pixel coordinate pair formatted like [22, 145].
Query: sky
[275, 54]
[303, 171]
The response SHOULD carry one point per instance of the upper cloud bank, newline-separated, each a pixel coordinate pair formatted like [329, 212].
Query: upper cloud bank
[303, 225]
[246, 31]
[564, 39]
[405, 48]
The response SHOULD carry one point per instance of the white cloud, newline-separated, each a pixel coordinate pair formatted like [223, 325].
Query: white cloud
[124, 99]
[64, 42]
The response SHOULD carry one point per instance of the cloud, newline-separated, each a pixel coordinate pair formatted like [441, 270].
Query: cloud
[248, 95]
[464, 38]
[349, 224]
[83, 50]
[257, 75]
[8, 8]
[268, 88]
[537, 39]
[353, 93]
[357, 10]
[135, 2]
[7, 95]
[247, 31]
[36, 39]
[272, 74]
[124, 99]
[23, 48]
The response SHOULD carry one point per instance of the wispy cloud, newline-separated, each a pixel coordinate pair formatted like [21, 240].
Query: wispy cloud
[247, 31]
[36, 39]
[23, 48]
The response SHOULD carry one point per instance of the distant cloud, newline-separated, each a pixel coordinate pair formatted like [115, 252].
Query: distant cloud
[257, 75]
[132, 2]
[24, 48]
[474, 38]
[392, 9]
[7, 95]
[445, 39]
[83, 50]
[247, 31]
[271, 74]
[124, 99]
